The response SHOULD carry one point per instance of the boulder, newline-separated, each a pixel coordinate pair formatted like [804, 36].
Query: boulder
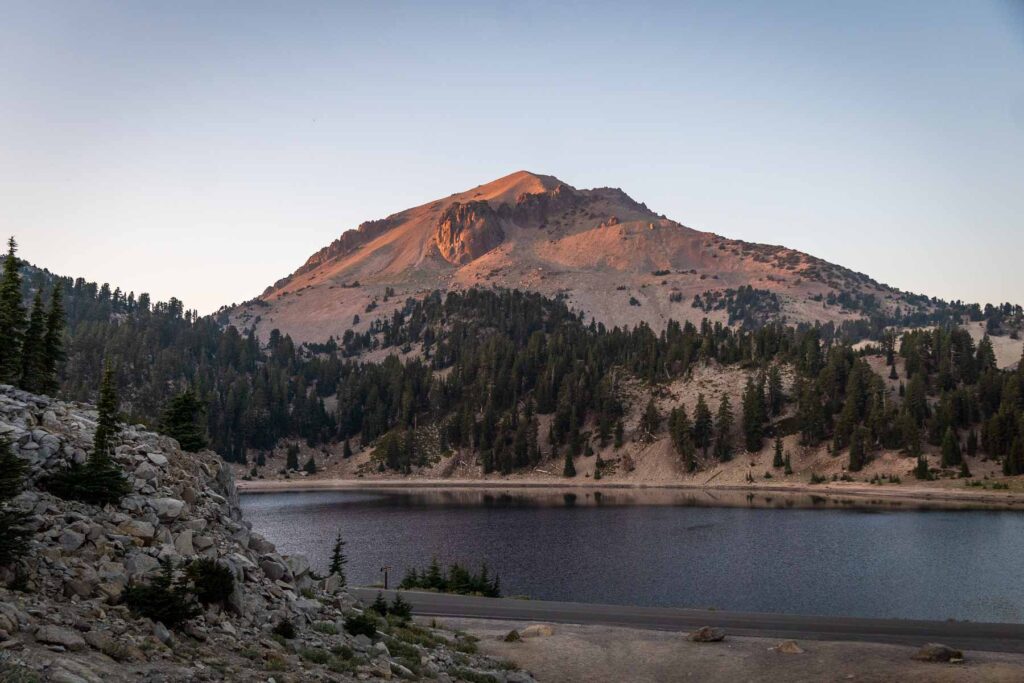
[937, 652]
[707, 634]
[183, 543]
[71, 540]
[789, 647]
[167, 508]
[58, 635]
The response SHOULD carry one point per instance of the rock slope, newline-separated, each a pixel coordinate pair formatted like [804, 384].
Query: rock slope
[62, 616]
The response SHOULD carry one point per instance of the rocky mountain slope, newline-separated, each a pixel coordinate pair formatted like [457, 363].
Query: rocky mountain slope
[612, 258]
[62, 611]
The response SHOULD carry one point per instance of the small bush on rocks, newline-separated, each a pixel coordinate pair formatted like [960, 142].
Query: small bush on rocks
[165, 599]
[212, 581]
[285, 629]
[361, 624]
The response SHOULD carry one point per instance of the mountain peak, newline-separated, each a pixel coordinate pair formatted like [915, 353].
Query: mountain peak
[508, 188]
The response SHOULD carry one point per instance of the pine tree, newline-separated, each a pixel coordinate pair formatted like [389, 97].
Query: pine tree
[776, 394]
[650, 421]
[753, 416]
[778, 461]
[723, 430]
[33, 357]
[858, 455]
[789, 466]
[921, 470]
[13, 534]
[965, 472]
[107, 407]
[950, 449]
[346, 450]
[702, 425]
[892, 372]
[338, 559]
[310, 466]
[100, 481]
[53, 342]
[569, 470]
[619, 435]
[292, 455]
[12, 317]
[183, 420]
[972, 443]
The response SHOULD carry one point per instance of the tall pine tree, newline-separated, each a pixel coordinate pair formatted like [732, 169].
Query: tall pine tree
[12, 317]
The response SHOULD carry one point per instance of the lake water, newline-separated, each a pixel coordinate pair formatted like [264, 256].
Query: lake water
[733, 552]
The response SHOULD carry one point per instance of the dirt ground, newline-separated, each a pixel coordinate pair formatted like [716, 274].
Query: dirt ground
[601, 654]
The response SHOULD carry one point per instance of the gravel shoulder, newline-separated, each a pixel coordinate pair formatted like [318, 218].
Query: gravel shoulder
[607, 654]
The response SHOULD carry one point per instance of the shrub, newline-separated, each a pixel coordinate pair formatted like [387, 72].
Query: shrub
[98, 482]
[361, 624]
[400, 608]
[212, 581]
[165, 599]
[285, 629]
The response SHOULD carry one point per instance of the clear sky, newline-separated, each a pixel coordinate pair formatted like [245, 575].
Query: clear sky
[205, 149]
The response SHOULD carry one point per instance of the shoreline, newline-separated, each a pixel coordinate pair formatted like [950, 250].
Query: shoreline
[891, 493]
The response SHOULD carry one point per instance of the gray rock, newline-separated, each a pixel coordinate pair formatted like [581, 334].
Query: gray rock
[140, 564]
[146, 472]
[183, 543]
[273, 570]
[71, 540]
[707, 634]
[298, 565]
[162, 634]
[937, 652]
[260, 545]
[167, 508]
[157, 459]
[57, 635]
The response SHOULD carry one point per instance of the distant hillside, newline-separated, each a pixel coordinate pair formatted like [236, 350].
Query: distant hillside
[608, 256]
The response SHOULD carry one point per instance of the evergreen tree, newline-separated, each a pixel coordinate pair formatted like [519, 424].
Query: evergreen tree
[12, 317]
[619, 435]
[13, 534]
[183, 420]
[346, 450]
[100, 481]
[702, 425]
[965, 472]
[1013, 462]
[107, 407]
[753, 416]
[892, 372]
[921, 470]
[972, 443]
[950, 449]
[310, 466]
[569, 470]
[292, 456]
[338, 559]
[776, 394]
[650, 421]
[723, 430]
[778, 461]
[858, 454]
[789, 466]
[53, 343]
[33, 351]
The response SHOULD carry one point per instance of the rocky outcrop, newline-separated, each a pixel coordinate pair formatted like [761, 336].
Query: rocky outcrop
[536, 209]
[467, 231]
[66, 619]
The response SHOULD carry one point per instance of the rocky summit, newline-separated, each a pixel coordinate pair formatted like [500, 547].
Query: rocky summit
[63, 615]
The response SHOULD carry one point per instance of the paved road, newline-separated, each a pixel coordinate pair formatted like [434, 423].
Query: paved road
[959, 634]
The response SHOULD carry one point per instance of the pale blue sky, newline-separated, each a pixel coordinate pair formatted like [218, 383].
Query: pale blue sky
[204, 150]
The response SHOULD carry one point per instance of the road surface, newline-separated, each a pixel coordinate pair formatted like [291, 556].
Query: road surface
[960, 634]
